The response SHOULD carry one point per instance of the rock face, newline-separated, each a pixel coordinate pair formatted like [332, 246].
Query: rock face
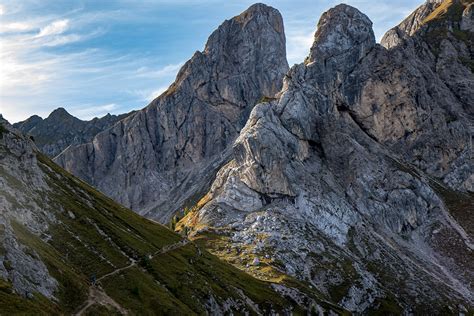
[58, 235]
[415, 20]
[166, 154]
[359, 177]
[60, 130]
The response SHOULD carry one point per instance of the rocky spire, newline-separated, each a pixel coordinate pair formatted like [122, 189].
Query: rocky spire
[344, 34]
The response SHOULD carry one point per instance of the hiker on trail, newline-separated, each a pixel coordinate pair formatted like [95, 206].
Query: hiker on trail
[93, 279]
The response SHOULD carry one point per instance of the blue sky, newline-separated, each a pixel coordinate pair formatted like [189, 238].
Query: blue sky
[93, 57]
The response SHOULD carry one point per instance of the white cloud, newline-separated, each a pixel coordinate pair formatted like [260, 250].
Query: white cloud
[58, 40]
[148, 95]
[56, 27]
[167, 70]
[15, 27]
[2, 9]
[298, 45]
[91, 111]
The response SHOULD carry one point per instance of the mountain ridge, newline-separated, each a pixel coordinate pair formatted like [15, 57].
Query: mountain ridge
[61, 129]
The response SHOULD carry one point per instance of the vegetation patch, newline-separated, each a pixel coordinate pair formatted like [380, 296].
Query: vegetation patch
[444, 22]
[72, 285]
[139, 291]
[13, 304]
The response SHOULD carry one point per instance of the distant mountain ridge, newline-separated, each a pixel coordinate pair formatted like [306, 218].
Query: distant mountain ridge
[60, 129]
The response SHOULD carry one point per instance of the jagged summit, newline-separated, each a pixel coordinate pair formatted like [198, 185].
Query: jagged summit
[259, 11]
[342, 30]
[60, 113]
[456, 13]
[257, 8]
[249, 48]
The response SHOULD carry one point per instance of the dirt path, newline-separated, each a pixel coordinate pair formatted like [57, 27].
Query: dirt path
[133, 263]
[98, 296]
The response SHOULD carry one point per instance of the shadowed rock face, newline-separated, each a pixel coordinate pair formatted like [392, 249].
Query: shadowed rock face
[166, 154]
[348, 179]
[60, 130]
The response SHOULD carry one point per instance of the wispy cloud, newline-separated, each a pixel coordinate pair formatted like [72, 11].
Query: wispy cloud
[167, 70]
[56, 27]
[90, 111]
[15, 27]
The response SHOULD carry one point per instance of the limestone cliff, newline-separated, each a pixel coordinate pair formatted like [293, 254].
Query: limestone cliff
[166, 154]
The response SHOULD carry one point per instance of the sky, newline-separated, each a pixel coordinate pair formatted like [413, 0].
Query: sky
[94, 57]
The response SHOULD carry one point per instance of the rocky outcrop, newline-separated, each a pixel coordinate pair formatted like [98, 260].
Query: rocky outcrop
[157, 159]
[417, 19]
[23, 267]
[60, 129]
[359, 177]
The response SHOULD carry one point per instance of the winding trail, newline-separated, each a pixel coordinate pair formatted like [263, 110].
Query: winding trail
[98, 296]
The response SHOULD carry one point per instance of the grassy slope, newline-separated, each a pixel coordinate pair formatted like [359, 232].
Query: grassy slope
[95, 235]
[443, 23]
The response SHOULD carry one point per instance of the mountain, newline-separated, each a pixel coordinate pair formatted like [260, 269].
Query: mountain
[60, 130]
[59, 236]
[160, 159]
[359, 177]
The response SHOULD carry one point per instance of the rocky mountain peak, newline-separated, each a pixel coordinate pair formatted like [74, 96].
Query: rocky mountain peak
[60, 113]
[268, 19]
[259, 9]
[343, 31]
[246, 46]
[185, 134]
[448, 11]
